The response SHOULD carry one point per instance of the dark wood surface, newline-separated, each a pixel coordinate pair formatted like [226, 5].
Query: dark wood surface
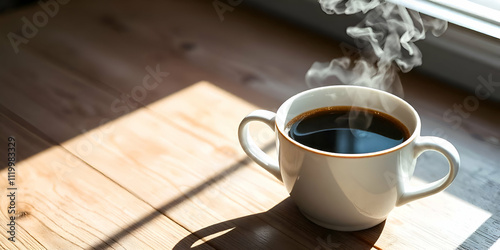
[99, 168]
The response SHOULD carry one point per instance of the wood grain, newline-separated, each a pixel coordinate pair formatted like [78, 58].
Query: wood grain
[175, 147]
[148, 162]
[57, 208]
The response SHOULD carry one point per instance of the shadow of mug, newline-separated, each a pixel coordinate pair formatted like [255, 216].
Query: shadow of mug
[281, 227]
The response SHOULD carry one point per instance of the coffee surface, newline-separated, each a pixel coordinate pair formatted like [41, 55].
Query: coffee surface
[348, 130]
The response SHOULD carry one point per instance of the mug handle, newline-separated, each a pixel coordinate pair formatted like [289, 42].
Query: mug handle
[249, 145]
[442, 146]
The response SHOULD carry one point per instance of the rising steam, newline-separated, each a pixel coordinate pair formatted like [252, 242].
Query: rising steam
[386, 38]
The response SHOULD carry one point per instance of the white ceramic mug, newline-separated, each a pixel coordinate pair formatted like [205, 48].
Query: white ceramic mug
[347, 192]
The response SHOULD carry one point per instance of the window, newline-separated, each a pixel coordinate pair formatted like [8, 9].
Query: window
[482, 16]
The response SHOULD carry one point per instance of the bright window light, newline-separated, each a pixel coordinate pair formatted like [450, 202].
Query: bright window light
[480, 15]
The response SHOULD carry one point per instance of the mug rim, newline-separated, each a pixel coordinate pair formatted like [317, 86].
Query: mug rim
[413, 134]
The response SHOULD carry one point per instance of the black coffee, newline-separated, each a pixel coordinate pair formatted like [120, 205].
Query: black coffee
[346, 129]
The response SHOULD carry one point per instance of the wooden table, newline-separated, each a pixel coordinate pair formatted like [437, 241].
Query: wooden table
[125, 113]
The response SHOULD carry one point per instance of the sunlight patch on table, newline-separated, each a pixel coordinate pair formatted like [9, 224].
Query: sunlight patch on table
[442, 214]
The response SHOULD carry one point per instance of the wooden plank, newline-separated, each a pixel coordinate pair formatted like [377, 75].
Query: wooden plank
[224, 110]
[407, 220]
[163, 36]
[225, 152]
[161, 155]
[171, 157]
[82, 208]
[216, 185]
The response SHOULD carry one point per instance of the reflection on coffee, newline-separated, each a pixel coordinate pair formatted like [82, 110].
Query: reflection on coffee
[348, 130]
